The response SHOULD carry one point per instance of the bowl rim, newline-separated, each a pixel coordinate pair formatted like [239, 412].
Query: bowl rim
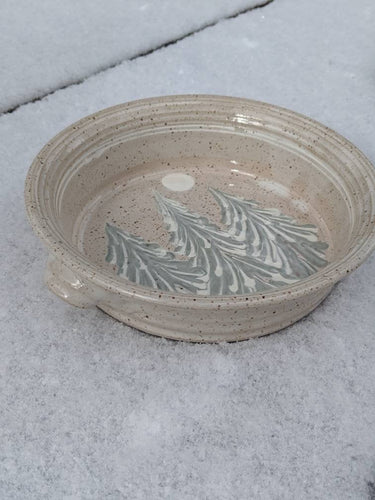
[85, 269]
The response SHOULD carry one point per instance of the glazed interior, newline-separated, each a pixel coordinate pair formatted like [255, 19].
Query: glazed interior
[115, 162]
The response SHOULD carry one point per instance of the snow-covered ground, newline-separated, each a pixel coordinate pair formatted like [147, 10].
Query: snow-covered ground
[92, 409]
[46, 44]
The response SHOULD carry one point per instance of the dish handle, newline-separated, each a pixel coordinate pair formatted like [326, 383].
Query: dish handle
[67, 285]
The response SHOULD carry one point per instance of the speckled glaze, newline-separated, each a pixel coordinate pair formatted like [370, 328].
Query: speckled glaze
[240, 171]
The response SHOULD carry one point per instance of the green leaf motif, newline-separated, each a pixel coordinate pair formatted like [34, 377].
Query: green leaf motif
[260, 249]
[150, 265]
[275, 239]
[229, 267]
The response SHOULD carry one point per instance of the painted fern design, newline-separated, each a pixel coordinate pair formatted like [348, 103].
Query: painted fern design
[258, 250]
[230, 269]
[150, 265]
[273, 238]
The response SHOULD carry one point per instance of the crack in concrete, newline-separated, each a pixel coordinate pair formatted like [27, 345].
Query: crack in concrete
[137, 56]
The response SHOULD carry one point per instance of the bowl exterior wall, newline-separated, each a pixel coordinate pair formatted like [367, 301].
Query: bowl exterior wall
[225, 324]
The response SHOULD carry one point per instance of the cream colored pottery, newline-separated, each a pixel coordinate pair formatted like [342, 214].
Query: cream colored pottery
[199, 217]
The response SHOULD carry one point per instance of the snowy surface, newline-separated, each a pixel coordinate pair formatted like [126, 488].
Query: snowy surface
[45, 44]
[92, 409]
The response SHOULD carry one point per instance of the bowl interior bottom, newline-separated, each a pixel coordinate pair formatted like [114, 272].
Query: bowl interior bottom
[203, 225]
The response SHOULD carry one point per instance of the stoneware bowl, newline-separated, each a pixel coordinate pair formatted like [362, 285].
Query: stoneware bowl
[201, 218]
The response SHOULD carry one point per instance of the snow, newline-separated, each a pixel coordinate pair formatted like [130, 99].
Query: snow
[63, 41]
[93, 409]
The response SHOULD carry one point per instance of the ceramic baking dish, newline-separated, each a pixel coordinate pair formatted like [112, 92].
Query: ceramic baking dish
[199, 217]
